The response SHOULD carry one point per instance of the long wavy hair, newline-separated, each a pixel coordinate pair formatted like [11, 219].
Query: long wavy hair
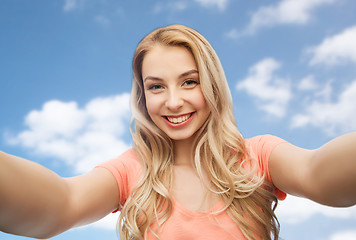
[219, 149]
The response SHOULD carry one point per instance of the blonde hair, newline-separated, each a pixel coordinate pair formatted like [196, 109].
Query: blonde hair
[219, 148]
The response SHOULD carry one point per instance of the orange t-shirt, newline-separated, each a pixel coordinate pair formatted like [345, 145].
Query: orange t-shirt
[185, 224]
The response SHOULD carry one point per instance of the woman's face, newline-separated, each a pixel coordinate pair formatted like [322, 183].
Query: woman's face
[174, 99]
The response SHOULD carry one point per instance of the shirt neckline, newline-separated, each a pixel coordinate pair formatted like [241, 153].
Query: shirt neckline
[217, 207]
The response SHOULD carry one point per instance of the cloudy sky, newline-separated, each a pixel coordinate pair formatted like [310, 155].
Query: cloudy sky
[65, 80]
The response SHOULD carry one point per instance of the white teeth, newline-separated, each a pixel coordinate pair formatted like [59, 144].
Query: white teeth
[179, 119]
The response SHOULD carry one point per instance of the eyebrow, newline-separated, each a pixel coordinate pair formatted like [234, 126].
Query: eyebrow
[187, 73]
[190, 72]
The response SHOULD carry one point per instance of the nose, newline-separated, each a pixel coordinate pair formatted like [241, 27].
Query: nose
[174, 101]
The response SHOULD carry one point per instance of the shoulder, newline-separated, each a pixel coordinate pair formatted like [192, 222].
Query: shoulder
[263, 144]
[126, 159]
[261, 148]
[126, 167]
[266, 140]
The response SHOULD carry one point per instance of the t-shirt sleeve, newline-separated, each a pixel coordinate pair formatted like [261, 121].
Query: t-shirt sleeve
[261, 148]
[126, 169]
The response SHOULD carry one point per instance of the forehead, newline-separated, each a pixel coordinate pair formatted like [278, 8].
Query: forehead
[163, 60]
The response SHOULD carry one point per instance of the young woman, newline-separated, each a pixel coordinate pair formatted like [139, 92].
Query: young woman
[190, 173]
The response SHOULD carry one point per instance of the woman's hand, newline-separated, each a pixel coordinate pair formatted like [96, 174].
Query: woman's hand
[326, 175]
[36, 202]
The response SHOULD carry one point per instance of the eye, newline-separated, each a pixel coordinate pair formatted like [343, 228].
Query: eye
[155, 87]
[190, 83]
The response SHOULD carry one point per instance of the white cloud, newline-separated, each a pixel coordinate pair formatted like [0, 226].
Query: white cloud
[271, 92]
[325, 92]
[220, 4]
[346, 235]
[181, 5]
[294, 210]
[332, 117]
[170, 6]
[233, 34]
[307, 83]
[285, 12]
[336, 49]
[102, 20]
[120, 11]
[314, 90]
[71, 5]
[81, 137]
[109, 222]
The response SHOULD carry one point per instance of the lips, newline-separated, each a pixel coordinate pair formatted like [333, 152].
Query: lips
[178, 119]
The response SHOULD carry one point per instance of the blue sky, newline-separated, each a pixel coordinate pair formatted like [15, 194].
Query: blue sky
[65, 79]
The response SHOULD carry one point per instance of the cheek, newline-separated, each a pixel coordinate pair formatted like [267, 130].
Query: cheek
[152, 106]
[199, 101]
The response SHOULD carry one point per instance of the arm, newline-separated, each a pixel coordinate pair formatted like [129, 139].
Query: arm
[35, 202]
[326, 175]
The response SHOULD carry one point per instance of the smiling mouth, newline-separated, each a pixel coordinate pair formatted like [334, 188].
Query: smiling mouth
[179, 119]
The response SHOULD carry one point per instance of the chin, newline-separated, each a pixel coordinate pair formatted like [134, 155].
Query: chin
[185, 137]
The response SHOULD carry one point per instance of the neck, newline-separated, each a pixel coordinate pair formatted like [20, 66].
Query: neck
[183, 152]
